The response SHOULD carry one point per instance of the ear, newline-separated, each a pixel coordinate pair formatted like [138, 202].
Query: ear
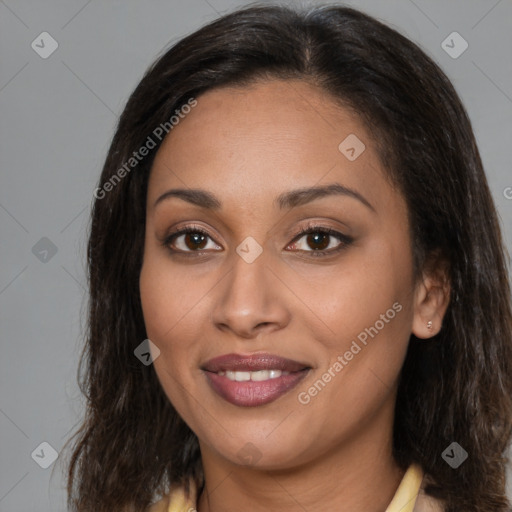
[431, 297]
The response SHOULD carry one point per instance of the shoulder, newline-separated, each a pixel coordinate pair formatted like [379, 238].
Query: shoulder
[424, 502]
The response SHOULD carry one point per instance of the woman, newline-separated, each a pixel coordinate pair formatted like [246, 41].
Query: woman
[298, 288]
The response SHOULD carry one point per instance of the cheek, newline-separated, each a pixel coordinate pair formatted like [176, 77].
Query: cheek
[353, 295]
[160, 306]
[172, 311]
[370, 318]
[360, 377]
[169, 297]
[157, 302]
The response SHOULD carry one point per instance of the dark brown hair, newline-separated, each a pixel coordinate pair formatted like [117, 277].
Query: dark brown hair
[456, 387]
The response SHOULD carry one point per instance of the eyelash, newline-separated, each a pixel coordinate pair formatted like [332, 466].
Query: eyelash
[309, 229]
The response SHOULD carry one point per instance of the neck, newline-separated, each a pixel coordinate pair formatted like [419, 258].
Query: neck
[359, 475]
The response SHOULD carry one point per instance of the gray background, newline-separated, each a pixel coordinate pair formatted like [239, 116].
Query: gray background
[57, 118]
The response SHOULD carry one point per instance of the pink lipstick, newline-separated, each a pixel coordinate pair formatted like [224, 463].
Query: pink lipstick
[256, 379]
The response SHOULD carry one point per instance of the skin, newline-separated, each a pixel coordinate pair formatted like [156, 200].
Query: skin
[246, 146]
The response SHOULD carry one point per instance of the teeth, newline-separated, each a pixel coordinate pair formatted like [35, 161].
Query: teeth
[258, 376]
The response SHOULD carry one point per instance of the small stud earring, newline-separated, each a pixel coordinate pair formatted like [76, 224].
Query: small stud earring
[429, 324]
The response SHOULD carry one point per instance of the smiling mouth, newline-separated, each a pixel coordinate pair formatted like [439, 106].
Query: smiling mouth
[257, 376]
[253, 380]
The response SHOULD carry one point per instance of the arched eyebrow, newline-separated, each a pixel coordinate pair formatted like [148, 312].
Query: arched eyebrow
[289, 199]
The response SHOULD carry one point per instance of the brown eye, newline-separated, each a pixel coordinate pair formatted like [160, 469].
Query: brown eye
[193, 240]
[318, 241]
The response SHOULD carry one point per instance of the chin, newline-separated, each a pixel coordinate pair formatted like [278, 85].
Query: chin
[256, 452]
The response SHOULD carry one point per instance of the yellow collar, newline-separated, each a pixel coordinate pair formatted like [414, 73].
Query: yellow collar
[407, 492]
[403, 500]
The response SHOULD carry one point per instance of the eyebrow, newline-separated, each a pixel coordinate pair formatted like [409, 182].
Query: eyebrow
[290, 199]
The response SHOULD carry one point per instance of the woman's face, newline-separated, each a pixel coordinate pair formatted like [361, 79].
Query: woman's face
[322, 337]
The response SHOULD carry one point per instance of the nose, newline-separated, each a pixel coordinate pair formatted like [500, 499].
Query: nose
[251, 300]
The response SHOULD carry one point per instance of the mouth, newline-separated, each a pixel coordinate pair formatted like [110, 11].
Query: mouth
[253, 380]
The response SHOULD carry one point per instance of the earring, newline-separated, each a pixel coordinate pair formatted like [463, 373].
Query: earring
[429, 324]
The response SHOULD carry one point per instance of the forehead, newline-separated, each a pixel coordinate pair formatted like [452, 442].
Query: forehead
[249, 143]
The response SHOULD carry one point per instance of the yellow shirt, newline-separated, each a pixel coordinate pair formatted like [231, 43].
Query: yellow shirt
[404, 499]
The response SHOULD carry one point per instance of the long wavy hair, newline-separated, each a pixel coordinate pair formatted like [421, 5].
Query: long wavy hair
[132, 446]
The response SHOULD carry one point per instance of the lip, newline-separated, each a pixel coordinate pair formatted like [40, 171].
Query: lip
[253, 393]
[252, 363]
